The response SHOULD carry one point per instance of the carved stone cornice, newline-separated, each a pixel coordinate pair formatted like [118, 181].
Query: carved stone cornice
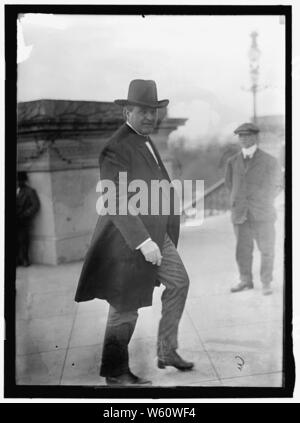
[65, 134]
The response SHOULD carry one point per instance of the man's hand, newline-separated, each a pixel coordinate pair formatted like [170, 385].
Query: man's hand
[151, 252]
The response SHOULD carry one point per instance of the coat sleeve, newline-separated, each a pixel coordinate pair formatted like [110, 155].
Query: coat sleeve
[112, 161]
[275, 178]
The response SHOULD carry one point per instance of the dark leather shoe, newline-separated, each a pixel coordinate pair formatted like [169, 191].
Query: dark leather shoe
[242, 286]
[174, 359]
[127, 379]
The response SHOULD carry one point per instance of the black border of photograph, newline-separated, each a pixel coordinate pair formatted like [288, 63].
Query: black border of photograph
[11, 389]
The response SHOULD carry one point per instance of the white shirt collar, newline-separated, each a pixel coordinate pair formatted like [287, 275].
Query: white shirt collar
[147, 142]
[130, 126]
[249, 152]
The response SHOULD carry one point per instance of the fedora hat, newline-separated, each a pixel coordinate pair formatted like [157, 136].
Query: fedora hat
[142, 93]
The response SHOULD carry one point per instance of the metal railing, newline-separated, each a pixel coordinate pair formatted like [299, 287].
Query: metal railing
[215, 200]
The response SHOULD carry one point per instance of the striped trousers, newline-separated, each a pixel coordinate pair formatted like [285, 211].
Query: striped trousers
[120, 325]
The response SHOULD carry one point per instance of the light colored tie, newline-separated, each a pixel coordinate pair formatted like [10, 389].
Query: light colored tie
[151, 150]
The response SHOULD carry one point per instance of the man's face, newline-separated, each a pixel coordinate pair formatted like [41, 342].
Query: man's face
[143, 119]
[247, 140]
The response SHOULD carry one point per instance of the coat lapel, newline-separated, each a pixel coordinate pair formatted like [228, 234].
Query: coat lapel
[161, 164]
[241, 165]
[255, 160]
[140, 144]
[144, 150]
[252, 163]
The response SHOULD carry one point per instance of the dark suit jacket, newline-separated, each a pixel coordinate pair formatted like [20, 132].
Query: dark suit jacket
[253, 188]
[113, 269]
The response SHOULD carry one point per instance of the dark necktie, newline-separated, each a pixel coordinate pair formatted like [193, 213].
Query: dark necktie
[247, 159]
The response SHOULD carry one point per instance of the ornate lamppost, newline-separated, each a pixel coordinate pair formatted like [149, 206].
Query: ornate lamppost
[254, 56]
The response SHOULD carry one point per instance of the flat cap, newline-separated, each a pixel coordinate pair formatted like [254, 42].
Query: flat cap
[247, 128]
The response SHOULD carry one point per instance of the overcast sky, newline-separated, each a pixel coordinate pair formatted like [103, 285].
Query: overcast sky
[200, 63]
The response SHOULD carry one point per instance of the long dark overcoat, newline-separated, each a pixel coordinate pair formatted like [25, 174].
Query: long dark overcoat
[253, 187]
[113, 268]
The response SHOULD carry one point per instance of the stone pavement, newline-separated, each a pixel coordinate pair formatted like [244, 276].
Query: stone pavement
[59, 342]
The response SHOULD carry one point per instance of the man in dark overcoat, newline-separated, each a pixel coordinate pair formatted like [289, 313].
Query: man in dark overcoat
[253, 178]
[132, 252]
[27, 205]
